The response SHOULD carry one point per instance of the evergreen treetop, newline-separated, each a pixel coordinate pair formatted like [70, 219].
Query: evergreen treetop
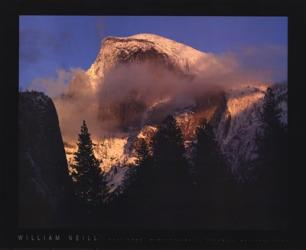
[168, 142]
[271, 113]
[89, 180]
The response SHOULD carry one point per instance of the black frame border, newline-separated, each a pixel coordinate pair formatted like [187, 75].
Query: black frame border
[293, 237]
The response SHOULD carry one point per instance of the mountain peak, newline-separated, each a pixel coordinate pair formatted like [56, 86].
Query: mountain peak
[140, 36]
[139, 47]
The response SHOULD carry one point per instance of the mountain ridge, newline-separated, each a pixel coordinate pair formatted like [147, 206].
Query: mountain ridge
[234, 111]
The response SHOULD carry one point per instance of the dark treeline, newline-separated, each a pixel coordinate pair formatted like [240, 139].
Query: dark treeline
[264, 192]
[165, 190]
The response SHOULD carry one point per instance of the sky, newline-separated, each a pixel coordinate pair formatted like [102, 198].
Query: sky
[48, 44]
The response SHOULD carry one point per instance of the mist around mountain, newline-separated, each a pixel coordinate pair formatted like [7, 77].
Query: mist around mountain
[181, 139]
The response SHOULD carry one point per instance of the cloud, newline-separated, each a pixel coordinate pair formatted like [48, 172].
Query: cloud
[73, 98]
[132, 94]
[271, 59]
[54, 86]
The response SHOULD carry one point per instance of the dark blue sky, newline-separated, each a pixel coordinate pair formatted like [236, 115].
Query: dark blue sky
[50, 43]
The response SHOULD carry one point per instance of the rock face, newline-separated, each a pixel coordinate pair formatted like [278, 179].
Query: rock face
[45, 188]
[146, 47]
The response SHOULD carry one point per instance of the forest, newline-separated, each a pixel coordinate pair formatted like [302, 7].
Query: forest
[166, 191]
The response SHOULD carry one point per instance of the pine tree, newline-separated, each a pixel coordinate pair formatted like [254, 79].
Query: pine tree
[208, 157]
[170, 173]
[141, 175]
[271, 113]
[213, 178]
[272, 139]
[89, 183]
[142, 152]
[137, 189]
[168, 143]
[138, 174]
[272, 162]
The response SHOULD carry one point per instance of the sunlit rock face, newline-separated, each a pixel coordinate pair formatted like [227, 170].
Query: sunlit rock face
[241, 122]
[145, 47]
[137, 81]
[44, 186]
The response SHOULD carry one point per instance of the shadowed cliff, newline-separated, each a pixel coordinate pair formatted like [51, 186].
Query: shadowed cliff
[45, 188]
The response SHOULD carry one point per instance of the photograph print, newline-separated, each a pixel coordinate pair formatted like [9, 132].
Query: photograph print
[153, 122]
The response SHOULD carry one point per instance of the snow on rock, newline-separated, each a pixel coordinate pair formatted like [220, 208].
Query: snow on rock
[114, 155]
[240, 123]
[115, 177]
[115, 50]
[111, 151]
[243, 98]
[147, 131]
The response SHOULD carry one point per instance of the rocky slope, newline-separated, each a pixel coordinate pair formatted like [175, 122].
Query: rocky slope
[44, 184]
